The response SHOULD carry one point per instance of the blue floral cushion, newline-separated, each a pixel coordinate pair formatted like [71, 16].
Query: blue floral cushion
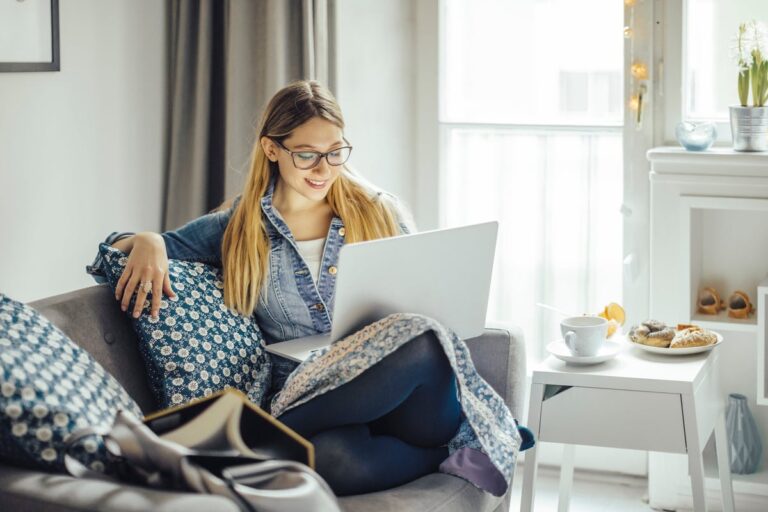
[50, 387]
[197, 345]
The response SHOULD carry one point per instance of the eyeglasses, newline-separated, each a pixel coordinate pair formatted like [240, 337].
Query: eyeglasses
[306, 160]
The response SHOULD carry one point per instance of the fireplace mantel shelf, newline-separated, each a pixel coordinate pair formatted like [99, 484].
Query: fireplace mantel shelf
[717, 161]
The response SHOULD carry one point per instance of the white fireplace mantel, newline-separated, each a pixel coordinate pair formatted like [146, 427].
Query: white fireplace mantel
[709, 228]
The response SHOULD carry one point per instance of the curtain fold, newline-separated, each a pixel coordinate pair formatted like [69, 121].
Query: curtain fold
[226, 59]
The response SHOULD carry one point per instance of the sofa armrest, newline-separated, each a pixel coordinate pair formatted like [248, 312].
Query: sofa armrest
[499, 356]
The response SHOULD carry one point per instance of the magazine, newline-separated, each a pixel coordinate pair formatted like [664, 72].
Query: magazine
[228, 422]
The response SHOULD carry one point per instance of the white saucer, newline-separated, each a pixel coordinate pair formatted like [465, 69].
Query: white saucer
[559, 349]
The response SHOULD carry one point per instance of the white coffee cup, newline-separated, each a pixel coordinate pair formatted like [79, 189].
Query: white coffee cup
[584, 335]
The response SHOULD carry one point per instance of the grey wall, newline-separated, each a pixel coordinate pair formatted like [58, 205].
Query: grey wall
[81, 149]
[377, 90]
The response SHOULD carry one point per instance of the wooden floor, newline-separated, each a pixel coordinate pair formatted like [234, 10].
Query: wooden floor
[607, 492]
[592, 492]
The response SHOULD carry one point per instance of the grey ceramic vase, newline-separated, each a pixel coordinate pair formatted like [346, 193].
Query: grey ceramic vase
[746, 449]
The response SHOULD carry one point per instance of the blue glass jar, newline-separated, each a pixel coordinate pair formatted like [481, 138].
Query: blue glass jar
[696, 136]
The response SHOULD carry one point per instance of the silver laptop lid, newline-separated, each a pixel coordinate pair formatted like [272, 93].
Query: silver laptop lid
[444, 274]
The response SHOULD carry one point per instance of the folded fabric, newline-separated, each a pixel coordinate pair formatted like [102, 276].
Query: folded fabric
[254, 483]
[50, 387]
[488, 427]
[197, 345]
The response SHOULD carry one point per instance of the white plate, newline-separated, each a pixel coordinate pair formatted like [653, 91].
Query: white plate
[677, 351]
[560, 350]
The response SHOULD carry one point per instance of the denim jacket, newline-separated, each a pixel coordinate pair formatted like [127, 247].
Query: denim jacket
[296, 306]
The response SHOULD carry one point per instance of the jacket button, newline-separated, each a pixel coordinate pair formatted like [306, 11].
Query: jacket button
[108, 338]
[332, 270]
[319, 306]
[342, 231]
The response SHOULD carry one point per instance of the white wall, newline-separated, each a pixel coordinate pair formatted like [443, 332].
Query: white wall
[377, 90]
[81, 149]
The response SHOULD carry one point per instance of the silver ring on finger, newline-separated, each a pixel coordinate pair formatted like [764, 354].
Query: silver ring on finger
[146, 286]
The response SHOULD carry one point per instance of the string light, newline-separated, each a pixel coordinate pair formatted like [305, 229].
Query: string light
[639, 70]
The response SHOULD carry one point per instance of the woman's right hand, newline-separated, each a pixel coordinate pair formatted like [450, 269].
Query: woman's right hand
[147, 261]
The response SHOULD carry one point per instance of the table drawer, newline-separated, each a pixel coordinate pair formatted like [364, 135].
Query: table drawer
[614, 418]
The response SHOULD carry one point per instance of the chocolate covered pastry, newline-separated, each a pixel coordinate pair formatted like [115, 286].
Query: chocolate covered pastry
[653, 333]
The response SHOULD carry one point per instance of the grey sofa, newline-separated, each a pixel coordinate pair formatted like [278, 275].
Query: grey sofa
[92, 318]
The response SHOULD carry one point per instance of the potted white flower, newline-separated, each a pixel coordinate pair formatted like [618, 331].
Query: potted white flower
[749, 124]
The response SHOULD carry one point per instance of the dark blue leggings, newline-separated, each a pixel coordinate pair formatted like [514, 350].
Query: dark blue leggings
[387, 426]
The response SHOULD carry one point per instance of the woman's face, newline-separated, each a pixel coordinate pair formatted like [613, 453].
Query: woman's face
[319, 135]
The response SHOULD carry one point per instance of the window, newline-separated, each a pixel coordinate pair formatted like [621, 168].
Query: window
[531, 119]
[697, 39]
[510, 61]
[710, 73]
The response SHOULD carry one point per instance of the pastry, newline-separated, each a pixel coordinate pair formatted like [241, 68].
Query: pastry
[653, 333]
[709, 302]
[655, 325]
[739, 305]
[693, 337]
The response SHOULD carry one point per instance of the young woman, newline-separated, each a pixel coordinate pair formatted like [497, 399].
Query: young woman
[278, 245]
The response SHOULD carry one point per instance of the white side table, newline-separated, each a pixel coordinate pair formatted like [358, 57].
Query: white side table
[639, 401]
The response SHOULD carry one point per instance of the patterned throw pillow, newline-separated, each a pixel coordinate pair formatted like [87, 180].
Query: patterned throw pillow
[50, 387]
[197, 345]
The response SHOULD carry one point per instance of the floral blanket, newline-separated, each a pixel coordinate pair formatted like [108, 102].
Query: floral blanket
[488, 426]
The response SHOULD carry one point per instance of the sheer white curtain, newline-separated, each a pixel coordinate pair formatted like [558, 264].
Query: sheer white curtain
[531, 135]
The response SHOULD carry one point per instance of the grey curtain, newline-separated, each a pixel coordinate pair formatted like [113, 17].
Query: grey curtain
[226, 59]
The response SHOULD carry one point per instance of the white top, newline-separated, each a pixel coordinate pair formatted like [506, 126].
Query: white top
[632, 369]
[312, 252]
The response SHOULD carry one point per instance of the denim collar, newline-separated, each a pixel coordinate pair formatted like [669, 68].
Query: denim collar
[274, 216]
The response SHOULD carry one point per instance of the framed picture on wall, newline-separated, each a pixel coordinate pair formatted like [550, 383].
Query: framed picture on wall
[29, 35]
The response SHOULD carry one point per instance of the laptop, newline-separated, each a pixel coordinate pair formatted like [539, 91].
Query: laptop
[444, 274]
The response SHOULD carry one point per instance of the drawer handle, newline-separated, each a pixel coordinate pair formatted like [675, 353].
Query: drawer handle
[551, 390]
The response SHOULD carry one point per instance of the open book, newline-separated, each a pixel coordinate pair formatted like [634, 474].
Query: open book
[228, 422]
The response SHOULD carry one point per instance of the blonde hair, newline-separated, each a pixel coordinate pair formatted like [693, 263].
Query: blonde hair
[367, 213]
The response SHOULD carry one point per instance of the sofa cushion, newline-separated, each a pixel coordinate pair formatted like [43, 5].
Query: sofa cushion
[430, 493]
[50, 387]
[60, 493]
[197, 345]
[23, 490]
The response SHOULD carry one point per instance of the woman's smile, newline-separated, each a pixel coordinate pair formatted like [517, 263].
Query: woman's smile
[317, 185]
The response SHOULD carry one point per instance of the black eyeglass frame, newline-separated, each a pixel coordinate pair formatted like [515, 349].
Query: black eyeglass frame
[318, 155]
